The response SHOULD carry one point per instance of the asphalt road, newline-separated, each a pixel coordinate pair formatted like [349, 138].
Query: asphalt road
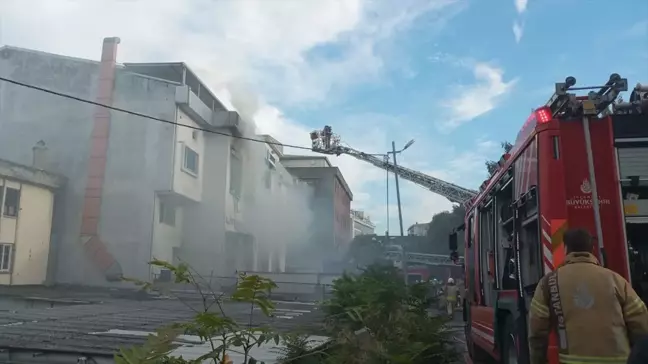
[456, 327]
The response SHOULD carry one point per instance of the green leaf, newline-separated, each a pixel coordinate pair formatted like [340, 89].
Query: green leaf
[162, 264]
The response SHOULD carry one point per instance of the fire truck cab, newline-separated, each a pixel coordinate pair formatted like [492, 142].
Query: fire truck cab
[578, 161]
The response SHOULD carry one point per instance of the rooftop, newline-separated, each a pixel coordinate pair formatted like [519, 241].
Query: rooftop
[175, 72]
[27, 174]
[360, 216]
[178, 72]
[307, 157]
[96, 323]
[274, 144]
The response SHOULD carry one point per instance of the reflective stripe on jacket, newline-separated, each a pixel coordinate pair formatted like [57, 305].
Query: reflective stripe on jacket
[451, 293]
[602, 314]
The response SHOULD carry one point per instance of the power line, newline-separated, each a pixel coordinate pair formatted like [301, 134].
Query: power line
[135, 113]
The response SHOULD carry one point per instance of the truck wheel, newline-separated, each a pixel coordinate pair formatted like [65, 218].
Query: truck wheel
[509, 343]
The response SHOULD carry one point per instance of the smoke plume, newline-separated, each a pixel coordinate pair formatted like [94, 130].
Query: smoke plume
[277, 208]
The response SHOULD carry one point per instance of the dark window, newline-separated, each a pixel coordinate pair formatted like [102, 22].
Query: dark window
[11, 202]
[167, 213]
[190, 161]
[6, 251]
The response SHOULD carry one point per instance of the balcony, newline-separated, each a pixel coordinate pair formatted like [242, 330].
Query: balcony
[192, 96]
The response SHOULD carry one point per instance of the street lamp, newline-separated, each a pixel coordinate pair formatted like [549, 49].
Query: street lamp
[398, 200]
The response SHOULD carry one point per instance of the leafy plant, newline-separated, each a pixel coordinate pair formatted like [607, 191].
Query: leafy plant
[300, 349]
[378, 319]
[210, 322]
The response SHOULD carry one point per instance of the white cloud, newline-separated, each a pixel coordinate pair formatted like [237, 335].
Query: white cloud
[518, 31]
[518, 26]
[521, 5]
[472, 101]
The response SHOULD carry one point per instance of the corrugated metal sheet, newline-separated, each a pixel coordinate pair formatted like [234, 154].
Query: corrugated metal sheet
[633, 162]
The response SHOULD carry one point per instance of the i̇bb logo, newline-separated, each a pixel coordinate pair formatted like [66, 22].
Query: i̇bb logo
[586, 187]
[584, 201]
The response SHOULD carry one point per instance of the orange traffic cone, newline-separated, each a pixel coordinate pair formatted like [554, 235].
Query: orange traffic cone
[227, 360]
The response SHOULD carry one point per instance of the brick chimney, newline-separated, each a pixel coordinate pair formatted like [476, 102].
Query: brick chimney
[94, 247]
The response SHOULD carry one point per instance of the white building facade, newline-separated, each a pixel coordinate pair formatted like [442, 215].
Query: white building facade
[362, 224]
[138, 188]
[418, 229]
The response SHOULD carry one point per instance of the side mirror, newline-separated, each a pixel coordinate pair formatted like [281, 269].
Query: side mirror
[452, 242]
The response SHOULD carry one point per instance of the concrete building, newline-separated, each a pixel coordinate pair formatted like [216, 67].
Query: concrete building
[361, 224]
[331, 207]
[27, 198]
[137, 188]
[418, 229]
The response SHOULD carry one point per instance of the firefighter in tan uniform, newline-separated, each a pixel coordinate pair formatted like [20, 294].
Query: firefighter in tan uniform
[451, 297]
[594, 311]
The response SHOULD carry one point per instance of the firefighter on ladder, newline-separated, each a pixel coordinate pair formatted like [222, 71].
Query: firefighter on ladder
[594, 311]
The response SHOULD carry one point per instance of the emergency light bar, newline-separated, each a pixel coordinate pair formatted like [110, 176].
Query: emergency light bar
[567, 105]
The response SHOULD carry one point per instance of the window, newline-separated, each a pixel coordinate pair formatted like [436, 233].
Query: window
[270, 160]
[471, 236]
[6, 251]
[190, 162]
[236, 174]
[167, 213]
[11, 202]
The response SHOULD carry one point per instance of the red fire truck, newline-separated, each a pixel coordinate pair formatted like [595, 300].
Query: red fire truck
[578, 161]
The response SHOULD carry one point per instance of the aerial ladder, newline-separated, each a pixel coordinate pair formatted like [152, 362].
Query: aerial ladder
[425, 259]
[324, 141]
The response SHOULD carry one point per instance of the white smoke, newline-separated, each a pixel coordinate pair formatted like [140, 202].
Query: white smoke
[277, 209]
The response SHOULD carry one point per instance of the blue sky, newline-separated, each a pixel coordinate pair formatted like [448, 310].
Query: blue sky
[452, 74]
[426, 71]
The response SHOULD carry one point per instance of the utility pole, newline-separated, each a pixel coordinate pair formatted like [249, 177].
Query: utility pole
[398, 200]
[400, 214]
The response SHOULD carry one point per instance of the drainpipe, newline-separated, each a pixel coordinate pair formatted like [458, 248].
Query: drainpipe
[93, 246]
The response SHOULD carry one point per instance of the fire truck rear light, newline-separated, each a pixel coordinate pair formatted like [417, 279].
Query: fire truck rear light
[543, 115]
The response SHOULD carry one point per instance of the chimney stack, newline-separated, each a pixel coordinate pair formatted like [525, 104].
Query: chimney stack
[39, 155]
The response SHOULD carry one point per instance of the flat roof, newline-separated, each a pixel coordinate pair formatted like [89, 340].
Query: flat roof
[274, 144]
[334, 170]
[307, 157]
[27, 174]
[97, 322]
[169, 71]
[181, 73]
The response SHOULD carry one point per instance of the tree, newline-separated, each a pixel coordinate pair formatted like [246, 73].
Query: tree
[443, 224]
[491, 166]
[365, 250]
